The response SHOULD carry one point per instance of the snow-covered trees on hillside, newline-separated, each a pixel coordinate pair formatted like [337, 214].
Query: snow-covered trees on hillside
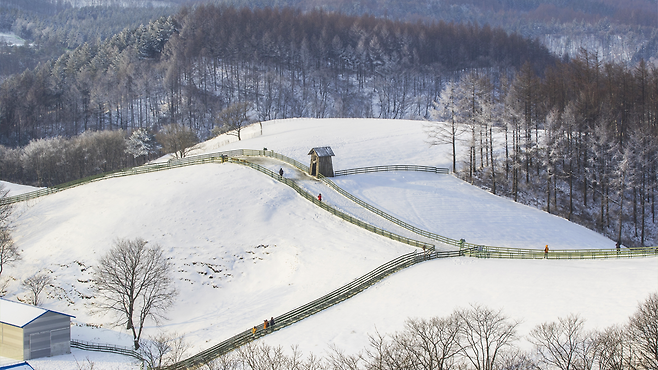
[578, 142]
[284, 63]
[142, 143]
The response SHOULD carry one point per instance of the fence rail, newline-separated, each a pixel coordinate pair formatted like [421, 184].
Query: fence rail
[492, 252]
[108, 348]
[395, 167]
[356, 286]
[332, 210]
[482, 251]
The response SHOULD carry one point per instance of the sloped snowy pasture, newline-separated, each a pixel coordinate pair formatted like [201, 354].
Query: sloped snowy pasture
[246, 247]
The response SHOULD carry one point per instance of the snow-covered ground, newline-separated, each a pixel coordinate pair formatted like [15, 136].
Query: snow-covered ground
[16, 189]
[246, 247]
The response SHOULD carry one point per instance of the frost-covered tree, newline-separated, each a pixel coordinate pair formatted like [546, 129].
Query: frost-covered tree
[444, 128]
[141, 143]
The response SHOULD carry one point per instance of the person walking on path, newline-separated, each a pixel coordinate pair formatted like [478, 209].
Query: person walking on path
[271, 322]
[281, 172]
[253, 331]
[546, 251]
[320, 197]
[265, 324]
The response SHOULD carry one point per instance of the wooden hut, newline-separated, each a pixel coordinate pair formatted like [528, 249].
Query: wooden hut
[28, 332]
[321, 162]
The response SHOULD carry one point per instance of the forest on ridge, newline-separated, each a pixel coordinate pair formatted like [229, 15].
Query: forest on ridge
[579, 134]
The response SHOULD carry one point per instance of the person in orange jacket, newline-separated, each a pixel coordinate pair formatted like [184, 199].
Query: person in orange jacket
[265, 324]
[546, 251]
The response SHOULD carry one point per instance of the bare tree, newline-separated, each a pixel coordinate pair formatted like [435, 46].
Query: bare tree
[339, 360]
[9, 252]
[5, 208]
[433, 343]
[233, 119]
[643, 329]
[613, 348]
[163, 349]
[516, 359]
[564, 344]
[36, 284]
[134, 281]
[177, 139]
[228, 361]
[485, 334]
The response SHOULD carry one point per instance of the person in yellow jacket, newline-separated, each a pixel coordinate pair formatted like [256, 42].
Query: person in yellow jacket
[546, 251]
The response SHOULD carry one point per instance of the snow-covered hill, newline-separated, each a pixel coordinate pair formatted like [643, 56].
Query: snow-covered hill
[246, 247]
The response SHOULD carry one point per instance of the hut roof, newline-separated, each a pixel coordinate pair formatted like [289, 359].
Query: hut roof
[322, 151]
[20, 314]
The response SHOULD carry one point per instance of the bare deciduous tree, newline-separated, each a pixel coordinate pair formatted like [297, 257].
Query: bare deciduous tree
[564, 344]
[36, 284]
[485, 334]
[163, 349]
[177, 139]
[9, 252]
[339, 360]
[612, 348]
[134, 281]
[643, 330]
[233, 119]
[433, 343]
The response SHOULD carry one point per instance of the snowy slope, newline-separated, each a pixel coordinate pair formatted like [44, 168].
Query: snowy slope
[246, 247]
[16, 189]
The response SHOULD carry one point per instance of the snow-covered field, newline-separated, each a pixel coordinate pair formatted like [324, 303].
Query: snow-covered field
[246, 247]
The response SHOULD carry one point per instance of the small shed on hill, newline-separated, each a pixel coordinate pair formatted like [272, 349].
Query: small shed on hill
[321, 162]
[28, 332]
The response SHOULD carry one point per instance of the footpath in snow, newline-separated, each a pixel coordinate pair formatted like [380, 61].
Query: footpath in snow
[340, 202]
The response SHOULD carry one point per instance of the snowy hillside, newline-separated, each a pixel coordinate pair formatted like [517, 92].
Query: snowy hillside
[246, 247]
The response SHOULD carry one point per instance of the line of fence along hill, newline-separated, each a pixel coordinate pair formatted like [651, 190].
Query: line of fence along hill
[482, 251]
[107, 348]
[356, 286]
